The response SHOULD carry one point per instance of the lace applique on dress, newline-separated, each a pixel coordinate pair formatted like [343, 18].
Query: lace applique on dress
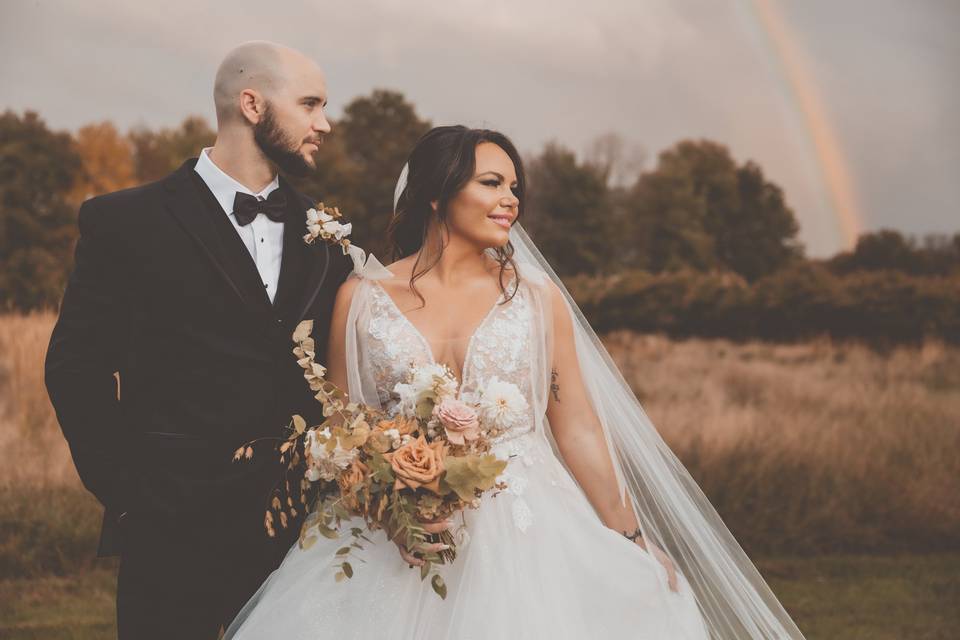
[392, 348]
[518, 449]
[502, 348]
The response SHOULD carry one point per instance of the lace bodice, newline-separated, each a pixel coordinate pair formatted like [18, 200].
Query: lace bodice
[501, 346]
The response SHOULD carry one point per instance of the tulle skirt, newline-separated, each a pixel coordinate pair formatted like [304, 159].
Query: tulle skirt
[538, 564]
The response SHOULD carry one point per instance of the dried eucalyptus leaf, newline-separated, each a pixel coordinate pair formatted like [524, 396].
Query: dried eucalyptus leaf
[303, 331]
[299, 424]
[439, 586]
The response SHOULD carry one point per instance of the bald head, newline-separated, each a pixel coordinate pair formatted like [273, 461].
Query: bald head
[265, 68]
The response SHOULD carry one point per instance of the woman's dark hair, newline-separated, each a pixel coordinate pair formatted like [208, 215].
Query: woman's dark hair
[441, 164]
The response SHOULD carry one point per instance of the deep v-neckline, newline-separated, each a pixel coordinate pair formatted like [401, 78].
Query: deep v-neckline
[426, 343]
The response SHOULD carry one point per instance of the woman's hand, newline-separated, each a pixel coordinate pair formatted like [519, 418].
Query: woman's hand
[661, 557]
[409, 554]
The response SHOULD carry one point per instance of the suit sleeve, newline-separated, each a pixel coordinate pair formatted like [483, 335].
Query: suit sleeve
[87, 346]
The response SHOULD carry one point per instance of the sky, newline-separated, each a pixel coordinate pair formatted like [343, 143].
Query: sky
[850, 106]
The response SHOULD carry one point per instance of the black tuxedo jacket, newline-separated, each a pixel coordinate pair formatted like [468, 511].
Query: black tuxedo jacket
[165, 293]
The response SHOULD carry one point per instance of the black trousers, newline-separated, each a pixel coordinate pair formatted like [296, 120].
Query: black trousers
[185, 583]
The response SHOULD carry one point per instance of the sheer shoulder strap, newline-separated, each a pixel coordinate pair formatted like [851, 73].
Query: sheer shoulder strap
[532, 274]
[361, 385]
[366, 266]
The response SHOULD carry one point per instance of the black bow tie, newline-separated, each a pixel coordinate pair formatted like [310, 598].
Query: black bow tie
[246, 207]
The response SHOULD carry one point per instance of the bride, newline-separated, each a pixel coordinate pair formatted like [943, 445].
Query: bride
[600, 533]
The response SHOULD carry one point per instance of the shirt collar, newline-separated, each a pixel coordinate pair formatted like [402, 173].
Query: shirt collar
[223, 187]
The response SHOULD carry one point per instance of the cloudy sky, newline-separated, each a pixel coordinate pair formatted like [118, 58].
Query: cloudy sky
[851, 106]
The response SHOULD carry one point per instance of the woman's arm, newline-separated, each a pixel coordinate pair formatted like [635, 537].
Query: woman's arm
[580, 436]
[336, 342]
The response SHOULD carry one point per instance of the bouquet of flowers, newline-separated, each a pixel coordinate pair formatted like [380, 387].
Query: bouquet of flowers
[426, 460]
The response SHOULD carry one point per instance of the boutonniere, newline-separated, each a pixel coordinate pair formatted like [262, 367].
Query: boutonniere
[324, 223]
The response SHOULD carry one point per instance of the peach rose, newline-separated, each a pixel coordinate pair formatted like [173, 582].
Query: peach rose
[404, 426]
[350, 478]
[418, 464]
[459, 420]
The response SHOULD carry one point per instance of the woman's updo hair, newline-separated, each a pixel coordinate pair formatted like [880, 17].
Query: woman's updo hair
[441, 164]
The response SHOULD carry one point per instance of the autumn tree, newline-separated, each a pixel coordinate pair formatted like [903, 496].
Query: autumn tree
[568, 212]
[698, 209]
[379, 132]
[889, 249]
[106, 160]
[38, 169]
[159, 153]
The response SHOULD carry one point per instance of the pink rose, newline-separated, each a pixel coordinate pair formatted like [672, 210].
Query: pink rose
[459, 420]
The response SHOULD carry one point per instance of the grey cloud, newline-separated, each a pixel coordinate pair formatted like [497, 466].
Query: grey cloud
[654, 71]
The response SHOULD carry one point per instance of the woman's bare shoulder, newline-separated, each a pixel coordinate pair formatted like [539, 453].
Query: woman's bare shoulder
[345, 294]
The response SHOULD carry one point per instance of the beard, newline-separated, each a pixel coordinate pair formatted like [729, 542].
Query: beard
[278, 146]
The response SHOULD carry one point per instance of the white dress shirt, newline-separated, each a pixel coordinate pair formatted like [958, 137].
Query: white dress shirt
[263, 237]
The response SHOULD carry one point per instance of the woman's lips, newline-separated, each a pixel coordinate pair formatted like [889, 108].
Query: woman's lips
[503, 221]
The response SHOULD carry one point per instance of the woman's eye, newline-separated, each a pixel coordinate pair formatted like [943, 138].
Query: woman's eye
[491, 183]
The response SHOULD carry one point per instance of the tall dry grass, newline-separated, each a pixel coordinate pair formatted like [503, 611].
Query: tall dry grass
[802, 448]
[811, 447]
[32, 450]
[48, 522]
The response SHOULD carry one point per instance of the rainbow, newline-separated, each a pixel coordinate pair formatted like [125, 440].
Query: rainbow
[806, 96]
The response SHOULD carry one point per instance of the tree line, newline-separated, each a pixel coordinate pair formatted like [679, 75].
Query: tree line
[699, 244]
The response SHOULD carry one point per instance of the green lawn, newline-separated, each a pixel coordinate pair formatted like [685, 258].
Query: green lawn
[875, 598]
[832, 598]
[76, 607]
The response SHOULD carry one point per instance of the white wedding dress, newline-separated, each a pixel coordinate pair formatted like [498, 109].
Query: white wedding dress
[538, 563]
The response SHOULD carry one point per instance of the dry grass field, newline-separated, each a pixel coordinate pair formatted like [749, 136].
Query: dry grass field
[33, 451]
[814, 447]
[835, 466]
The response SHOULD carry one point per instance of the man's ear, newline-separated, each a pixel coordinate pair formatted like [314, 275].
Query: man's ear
[252, 105]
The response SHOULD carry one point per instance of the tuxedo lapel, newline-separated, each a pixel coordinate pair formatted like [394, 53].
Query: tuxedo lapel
[318, 273]
[302, 276]
[295, 265]
[189, 205]
[184, 204]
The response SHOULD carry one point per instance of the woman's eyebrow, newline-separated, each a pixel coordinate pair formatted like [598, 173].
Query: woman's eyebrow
[496, 174]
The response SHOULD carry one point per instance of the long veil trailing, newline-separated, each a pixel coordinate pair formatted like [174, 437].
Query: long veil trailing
[674, 513]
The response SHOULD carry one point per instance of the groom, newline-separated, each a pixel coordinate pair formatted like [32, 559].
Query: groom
[189, 289]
